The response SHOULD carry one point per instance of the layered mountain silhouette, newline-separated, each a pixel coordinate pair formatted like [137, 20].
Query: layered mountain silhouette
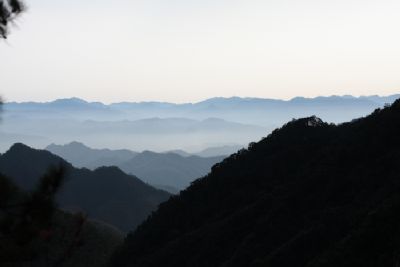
[81, 156]
[106, 193]
[218, 107]
[159, 134]
[310, 194]
[169, 171]
[159, 126]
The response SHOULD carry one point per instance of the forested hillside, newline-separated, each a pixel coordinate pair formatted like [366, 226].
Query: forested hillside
[310, 194]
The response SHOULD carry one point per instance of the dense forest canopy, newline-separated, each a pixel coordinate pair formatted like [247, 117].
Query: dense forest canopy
[25, 216]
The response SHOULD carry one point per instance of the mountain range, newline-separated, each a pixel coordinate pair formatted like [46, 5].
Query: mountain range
[106, 193]
[145, 134]
[169, 170]
[217, 107]
[310, 194]
[159, 126]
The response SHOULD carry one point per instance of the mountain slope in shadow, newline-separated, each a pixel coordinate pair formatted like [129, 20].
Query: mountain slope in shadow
[106, 194]
[310, 194]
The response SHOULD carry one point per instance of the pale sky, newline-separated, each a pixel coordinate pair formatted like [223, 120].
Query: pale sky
[190, 50]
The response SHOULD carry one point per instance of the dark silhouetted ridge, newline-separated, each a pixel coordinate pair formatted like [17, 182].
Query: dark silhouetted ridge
[310, 194]
[25, 164]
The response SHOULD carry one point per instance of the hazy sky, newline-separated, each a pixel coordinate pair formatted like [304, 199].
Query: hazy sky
[189, 50]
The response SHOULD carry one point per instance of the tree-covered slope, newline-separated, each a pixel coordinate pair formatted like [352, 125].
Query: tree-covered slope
[106, 194]
[310, 194]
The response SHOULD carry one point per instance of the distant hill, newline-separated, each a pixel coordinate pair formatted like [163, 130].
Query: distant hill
[161, 126]
[211, 151]
[163, 170]
[169, 169]
[219, 151]
[180, 152]
[106, 194]
[82, 156]
[310, 194]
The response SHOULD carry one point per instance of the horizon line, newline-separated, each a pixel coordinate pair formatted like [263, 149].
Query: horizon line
[200, 101]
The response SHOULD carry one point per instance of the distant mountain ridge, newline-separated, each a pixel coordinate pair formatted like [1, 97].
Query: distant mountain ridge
[200, 110]
[82, 156]
[160, 126]
[169, 169]
[143, 134]
[74, 101]
[106, 193]
[219, 150]
[163, 170]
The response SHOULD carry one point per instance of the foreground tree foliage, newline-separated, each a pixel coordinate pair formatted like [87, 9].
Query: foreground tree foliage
[310, 194]
[9, 10]
[26, 217]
